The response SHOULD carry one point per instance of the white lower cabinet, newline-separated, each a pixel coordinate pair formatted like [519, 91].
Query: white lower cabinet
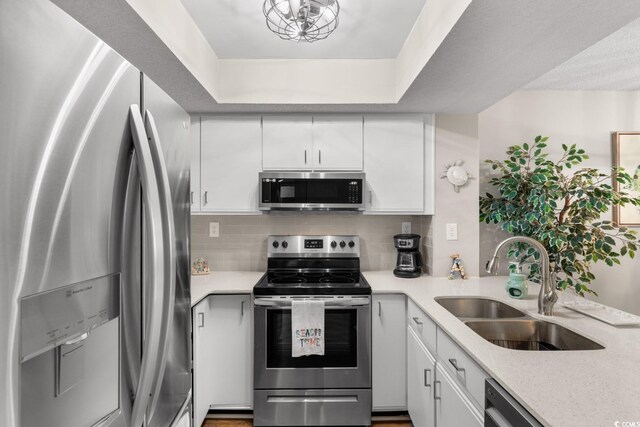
[222, 354]
[389, 385]
[453, 407]
[421, 367]
[445, 388]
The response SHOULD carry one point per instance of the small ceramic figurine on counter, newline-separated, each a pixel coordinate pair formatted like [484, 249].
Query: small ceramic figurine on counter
[200, 267]
[457, 269]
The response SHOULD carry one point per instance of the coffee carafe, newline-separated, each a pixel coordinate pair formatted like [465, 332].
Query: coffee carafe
[409, 262]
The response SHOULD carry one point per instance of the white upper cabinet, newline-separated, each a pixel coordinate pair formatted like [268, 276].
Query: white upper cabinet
[306, 143]
[194, 146]
[394, 162]
[337, 143]
[287, 143]
[231, 158]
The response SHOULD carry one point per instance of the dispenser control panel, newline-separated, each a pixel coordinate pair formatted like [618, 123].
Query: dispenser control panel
[64, 315]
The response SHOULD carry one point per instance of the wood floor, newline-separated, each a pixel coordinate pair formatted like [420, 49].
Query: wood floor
[248, 423]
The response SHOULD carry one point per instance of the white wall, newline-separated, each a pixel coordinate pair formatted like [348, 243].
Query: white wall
[585, 118]
[456, 138]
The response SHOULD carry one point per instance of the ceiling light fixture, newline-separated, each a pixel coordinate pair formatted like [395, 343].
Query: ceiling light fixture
[302, 20]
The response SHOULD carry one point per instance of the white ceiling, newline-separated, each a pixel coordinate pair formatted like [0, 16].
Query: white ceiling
[371, 29]
[611, 64]
[494, 49]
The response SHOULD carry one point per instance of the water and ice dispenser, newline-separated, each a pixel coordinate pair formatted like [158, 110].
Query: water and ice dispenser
[70, 349]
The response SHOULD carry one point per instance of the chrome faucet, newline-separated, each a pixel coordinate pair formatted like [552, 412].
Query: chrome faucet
[547, 297]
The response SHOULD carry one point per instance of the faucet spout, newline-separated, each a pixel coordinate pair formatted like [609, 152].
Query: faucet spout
[547, 296]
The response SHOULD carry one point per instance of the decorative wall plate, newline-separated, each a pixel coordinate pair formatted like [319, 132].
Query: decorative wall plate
[456, 174]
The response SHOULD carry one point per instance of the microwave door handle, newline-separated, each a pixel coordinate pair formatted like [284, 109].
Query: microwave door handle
[156, 271]
[168, 251]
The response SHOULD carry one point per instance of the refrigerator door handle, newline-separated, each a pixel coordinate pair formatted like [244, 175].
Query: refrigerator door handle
[169, 254]
[156, 271]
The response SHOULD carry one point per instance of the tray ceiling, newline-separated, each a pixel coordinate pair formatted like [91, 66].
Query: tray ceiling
[371, 29]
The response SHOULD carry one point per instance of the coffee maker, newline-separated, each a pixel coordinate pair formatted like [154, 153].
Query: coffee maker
[409, 262]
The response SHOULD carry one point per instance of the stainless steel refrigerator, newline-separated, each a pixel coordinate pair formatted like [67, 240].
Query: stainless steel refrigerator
[94, 232]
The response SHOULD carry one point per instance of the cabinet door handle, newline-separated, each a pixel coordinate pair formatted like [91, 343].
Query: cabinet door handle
[435, 390]
[427, 380]
[242, 309]
[379, 309]
[206, 197]
[320, 157]
[415, 319]
[454, 363]
[305, 157]
[200, 320]
[192, 197]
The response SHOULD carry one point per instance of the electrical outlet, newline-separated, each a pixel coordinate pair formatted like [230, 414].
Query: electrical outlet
[452, 231]
[406, 228]
[214, 229]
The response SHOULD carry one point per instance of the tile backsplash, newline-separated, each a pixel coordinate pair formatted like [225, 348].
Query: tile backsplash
[242, 243]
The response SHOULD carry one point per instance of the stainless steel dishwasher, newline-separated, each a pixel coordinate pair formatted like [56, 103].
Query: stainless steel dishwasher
[502, 410]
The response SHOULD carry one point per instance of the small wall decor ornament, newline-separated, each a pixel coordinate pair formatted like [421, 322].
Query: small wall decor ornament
[456, 174]
[457, 269]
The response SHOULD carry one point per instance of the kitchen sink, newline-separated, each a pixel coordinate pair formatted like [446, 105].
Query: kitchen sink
[478, 308]
[531, 334]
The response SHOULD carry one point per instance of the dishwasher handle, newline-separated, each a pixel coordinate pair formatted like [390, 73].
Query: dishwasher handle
[502, 410]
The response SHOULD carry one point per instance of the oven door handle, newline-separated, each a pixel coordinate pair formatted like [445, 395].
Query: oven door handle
[328, 302]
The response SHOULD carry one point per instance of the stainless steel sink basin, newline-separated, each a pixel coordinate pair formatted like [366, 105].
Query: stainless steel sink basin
[532, 335]
[479, 308]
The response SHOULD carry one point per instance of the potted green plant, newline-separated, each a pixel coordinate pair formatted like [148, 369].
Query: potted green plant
[561, 207]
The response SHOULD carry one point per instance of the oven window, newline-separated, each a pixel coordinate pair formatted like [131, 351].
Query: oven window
[340, 346]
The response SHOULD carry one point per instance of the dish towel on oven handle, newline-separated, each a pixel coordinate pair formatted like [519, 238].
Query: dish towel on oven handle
[307, 327]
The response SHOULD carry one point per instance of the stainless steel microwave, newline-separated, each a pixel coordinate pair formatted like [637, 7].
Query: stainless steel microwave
[311, 191]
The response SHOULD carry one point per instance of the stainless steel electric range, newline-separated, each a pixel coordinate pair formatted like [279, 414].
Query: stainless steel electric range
[332, 389]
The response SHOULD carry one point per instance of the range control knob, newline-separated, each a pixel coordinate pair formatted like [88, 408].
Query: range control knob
[275, 244]
[342, 244]
[334, 244]
[285, 244]
[351, 244]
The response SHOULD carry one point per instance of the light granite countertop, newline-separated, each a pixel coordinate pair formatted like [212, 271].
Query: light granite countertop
[562, 388]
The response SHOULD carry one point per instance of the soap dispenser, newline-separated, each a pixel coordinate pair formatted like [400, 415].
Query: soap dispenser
[517, 286]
